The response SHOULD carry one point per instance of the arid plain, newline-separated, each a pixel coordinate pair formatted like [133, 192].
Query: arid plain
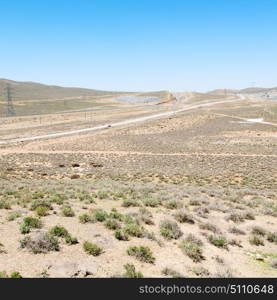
[188, 195]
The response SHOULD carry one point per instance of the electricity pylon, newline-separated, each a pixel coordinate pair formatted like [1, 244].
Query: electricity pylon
[9, 104]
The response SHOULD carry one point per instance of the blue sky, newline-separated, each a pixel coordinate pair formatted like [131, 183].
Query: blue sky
[140, 44]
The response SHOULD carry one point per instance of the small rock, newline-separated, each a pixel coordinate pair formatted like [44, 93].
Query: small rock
[75, 176]
[64, 270]
[96, 165]
[75, 165]
[259, 257]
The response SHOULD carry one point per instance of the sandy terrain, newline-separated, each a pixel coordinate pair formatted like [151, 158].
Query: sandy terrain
[218, 173]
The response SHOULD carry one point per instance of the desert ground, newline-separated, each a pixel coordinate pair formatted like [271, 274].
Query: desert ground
[190, 195]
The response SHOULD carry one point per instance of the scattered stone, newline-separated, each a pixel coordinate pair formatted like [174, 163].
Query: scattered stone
[83, 269]
[96, 165]
[75, 165]
[75, 176]
[259, 257]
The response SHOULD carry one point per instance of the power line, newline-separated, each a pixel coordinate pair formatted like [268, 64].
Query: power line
[9, 110]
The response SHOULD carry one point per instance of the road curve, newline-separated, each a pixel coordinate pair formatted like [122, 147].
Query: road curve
[118, 124]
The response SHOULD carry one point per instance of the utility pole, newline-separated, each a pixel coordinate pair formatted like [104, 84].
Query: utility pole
[9, 104]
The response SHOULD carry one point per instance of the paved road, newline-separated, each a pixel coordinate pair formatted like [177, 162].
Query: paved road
[118, 124]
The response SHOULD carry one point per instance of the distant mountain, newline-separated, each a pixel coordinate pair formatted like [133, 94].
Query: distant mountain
[255, 90]
[223, 91]
[36, 91]
[252, 90]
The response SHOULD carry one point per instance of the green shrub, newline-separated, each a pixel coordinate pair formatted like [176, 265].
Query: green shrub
[4, 204]
[24, 228]
[3, 274]
[112, 224]
[235, 217]
[32, 222]
[191, 246]
[13, 216]
[131, 272]
[92, 249]
[151, 202]
[142, 253]
[257, 230]
[121, 235]
[183, 217]
[208, 226]
[256, 240]
[28, 223]
[59, 231]
[85, 218]
[170, 230]
[272, 237]
[129, 220]
[173, 204]
[67, 211]
[58, 199]
[41, 203]
[130, 203]
[133, 230]
[102, 195]
[100, 215]
[71, 240]
[116, 215]
[146, 216]
[40, 243]
[42, 211]
[218, 241]
[15, 275]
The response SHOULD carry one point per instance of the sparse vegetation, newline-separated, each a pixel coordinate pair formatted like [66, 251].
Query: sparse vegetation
[145, 187]
[13, 216]
[183, 217]
[67, 211]
[272, 237]
[40, 243]
[130, 272]
[173, 204]
[100, 215]
[4, 204]
[142, 253]
[133, 229]
[152, 202]
[170, 230]
[112, 224]
[42, 211]
[257, 230]
[29, 223]
[59, 231]
[218, 241]
[121, 235]
[256, 240]
[131, 203]
[172, 273]
[92, 249]
[85, 218]
[192, 247]
[209, 227]
[236, 230]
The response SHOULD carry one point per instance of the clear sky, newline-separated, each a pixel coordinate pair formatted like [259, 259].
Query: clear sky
[140, 45]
